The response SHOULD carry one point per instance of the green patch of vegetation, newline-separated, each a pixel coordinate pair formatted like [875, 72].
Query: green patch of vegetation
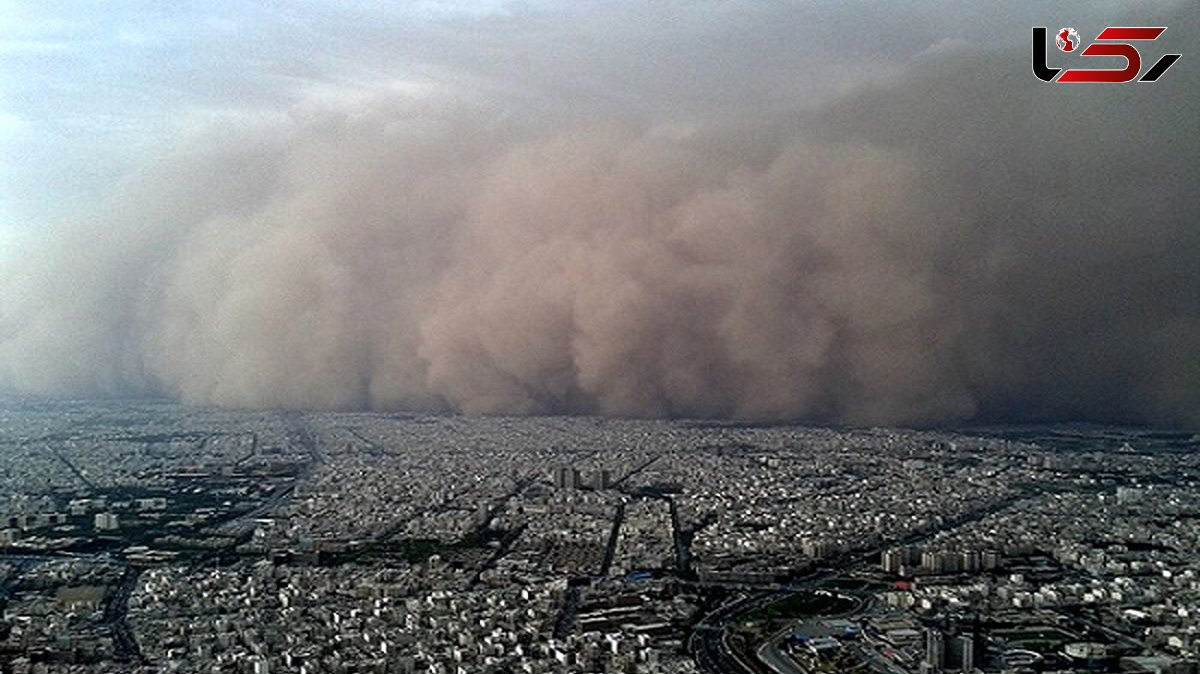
[1042, 639]
[411, 550]
[414, 550]
[802, 605]
[479, 539]
[854, 585]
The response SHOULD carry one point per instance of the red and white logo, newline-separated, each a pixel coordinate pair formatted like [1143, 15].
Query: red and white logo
[1112, 41]
[1067, 39]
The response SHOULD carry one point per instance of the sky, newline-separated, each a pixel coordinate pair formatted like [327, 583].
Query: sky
[90, 91]
[834, 211]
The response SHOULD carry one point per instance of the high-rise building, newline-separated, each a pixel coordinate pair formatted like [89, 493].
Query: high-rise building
[967, 646]
[935, 649]
[105, 522]
[566, 477]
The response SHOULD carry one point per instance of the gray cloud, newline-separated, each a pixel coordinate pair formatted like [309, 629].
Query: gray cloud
[962, 242]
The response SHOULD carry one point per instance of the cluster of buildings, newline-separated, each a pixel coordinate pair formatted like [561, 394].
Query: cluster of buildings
[148, 537]
[267, 617]
[54, 609]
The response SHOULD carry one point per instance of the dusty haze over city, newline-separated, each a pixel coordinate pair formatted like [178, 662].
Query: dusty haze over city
[827, 212]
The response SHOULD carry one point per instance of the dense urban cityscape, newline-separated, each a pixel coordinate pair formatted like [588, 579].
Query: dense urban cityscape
[147, 537]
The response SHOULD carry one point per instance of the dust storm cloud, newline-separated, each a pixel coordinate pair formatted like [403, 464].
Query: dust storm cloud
[954, 241]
